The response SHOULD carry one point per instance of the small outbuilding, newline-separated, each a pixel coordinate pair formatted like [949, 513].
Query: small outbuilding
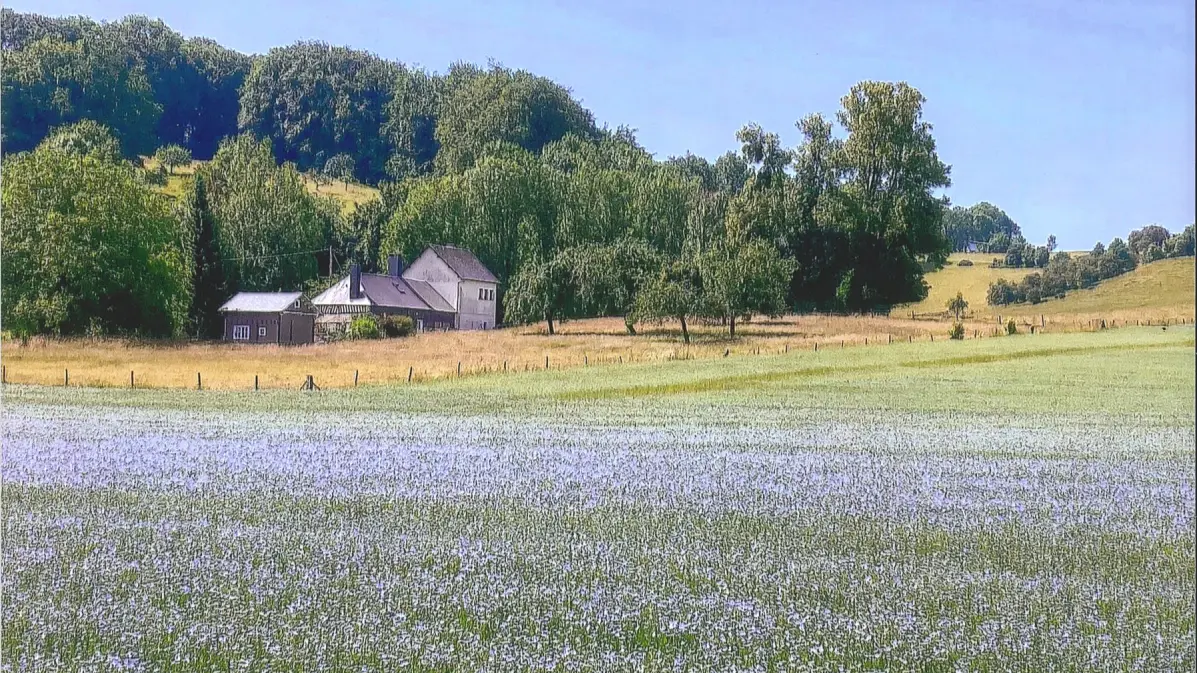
[269, 318]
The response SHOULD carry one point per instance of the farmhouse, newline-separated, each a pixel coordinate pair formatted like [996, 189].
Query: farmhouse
[269, 317]
[445, 288]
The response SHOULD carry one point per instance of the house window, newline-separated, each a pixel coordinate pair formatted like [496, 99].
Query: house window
[261, 331]
[240, 332]
[485, 294]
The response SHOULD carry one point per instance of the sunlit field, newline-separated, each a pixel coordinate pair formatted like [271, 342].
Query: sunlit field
[349, 195]
[1015, 503]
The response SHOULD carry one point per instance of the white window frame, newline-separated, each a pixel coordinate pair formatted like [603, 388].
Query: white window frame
[240, 332]
[261, 331]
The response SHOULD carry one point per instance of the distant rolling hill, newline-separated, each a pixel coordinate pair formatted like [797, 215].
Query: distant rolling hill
[1163, 288]
[1160, 289]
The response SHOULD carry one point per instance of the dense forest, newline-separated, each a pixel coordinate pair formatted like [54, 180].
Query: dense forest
[576, 219]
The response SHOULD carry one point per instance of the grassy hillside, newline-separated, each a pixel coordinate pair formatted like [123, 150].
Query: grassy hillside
[1156, 290]
[973, 281]
[1162, 290]
[349, 195]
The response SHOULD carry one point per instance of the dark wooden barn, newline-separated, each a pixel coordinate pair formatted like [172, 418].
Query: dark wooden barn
[269, 318]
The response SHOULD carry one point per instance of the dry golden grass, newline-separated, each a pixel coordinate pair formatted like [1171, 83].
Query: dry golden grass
[348, 195]
[436, 355]
[972, 281]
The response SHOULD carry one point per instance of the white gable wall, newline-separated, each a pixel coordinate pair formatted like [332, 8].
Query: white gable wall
[432, 269]
[476, 313]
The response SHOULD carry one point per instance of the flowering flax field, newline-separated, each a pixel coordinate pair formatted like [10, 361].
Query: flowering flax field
[1024, 503]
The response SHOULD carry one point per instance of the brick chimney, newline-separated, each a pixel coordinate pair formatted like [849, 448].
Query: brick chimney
[355, 281]
[394, 266]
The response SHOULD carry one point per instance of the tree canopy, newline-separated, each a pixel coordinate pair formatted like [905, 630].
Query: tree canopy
[88, 248]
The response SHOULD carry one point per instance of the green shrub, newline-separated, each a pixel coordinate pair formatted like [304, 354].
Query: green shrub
[1011, 328]
[957, 331]
[965, 262]
[364, 327]
[398, 326]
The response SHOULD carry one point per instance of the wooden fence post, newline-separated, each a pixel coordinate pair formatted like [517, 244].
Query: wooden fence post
[816, 346]
[255, 381]
[504, 365]
[585, 360]
[546, 362]
[459, 369]
[66, 378]
[409, 372]
[910, 338]
[355, 378]
[199, 381]
[3, 373]
[130, 378]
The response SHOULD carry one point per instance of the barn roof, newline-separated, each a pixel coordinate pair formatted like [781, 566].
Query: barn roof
[261, 302]
[464, 263]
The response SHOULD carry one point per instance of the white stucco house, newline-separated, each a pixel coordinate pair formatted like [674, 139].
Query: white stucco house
[457, 275]
[445, 288]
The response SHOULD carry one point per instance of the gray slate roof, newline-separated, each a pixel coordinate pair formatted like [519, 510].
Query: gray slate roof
[387, 292]
[464, 263]
[430, 296]
[261, 302]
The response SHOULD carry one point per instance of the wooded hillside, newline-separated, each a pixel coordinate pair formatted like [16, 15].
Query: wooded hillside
[575, 218]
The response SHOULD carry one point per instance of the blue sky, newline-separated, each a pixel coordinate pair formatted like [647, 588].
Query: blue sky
[1075, 118]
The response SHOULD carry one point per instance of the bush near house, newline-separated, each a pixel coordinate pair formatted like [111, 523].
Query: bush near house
[364, 327]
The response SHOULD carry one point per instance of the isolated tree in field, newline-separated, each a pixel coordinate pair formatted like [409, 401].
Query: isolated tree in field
[675, 293]
[1051, 243]
[172, 156]
[958, 305]
[741, 278]
[540, 290]
[607, 278]
[318, 178]
[340, 167]
[87, 246]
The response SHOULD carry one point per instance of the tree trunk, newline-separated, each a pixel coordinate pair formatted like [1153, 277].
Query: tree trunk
[549, 319]
[630, 325]
[685, 334]
[731, 326]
